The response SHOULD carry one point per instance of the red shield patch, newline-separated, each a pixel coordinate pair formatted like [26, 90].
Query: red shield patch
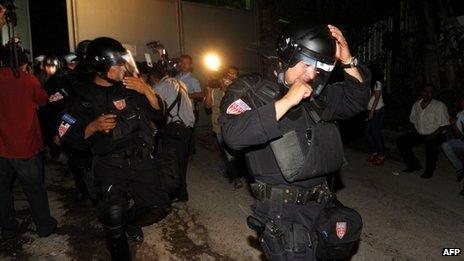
[237, 107]
[341, 229]
[55, 97]
[120, 104]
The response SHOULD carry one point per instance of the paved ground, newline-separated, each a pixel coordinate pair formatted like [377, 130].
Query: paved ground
[405, 217]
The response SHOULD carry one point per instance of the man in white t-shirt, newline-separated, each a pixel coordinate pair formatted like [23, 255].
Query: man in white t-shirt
[430, 118]
[452, 146]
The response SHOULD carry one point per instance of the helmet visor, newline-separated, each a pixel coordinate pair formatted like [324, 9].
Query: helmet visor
[129, 62]
[327, 67]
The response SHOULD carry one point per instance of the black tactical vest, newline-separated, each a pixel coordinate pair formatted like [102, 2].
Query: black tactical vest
[132, 127]
[309, 147]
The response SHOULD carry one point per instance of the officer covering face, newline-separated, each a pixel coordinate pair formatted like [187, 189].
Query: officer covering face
[291, 141]
[112, 115]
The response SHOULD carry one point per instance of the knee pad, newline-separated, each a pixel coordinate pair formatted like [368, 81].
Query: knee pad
[115, 216]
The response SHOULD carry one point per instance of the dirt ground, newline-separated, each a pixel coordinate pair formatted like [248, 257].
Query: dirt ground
[405, 217]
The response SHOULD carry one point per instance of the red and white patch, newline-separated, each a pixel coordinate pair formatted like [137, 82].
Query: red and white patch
[238, 107]
[55, 97]
[64, 126]
[341, 229]
[120, 104]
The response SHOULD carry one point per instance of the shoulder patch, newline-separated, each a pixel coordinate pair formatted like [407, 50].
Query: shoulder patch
[55, 97]
[237, 107]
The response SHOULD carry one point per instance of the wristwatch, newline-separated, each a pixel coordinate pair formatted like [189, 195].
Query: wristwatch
[351, 64]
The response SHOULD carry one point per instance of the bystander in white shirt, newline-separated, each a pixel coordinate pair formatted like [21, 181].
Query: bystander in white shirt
[429, 119]
[378, 87]
[168, 88]
[460, 121]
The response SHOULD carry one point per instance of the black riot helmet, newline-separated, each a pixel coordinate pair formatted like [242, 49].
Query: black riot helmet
[104, 52]
[81, 50]
[307, 42]
[51, 60]
[310, 43]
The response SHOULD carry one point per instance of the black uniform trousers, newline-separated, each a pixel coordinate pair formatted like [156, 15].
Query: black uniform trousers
[30, 175]
[78, 163]
[407, 142]
[117, 176]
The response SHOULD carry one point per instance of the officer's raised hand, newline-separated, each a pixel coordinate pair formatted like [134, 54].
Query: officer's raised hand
[105, 123]
[139, 85]
[136, 84]
[343, 52]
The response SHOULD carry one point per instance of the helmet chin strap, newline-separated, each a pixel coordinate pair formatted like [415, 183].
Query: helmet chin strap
[281, 77]
[105, 77]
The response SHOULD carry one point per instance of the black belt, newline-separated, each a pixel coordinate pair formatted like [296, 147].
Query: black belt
[292, 195]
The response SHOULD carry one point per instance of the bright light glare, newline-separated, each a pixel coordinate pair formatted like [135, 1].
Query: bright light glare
[212, 61]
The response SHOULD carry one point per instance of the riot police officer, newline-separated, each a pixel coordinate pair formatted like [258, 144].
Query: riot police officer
[112, 114]
[60, 88]
[285, 126]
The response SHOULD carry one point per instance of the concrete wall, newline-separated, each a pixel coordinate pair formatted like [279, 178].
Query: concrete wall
[134, 22]
[195, 28]
[229, 32]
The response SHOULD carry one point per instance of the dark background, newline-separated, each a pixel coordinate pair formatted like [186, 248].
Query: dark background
[49, 27]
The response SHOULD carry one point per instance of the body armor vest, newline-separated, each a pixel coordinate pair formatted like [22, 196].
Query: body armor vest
[309, 146]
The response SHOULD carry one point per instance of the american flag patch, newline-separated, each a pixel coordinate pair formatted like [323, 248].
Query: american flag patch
[67, 121]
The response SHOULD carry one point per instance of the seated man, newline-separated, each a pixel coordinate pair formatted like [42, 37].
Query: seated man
[452, 146]
[430, 118]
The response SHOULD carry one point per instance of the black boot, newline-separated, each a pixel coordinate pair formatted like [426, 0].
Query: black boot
[134, 232]
[118, 246]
